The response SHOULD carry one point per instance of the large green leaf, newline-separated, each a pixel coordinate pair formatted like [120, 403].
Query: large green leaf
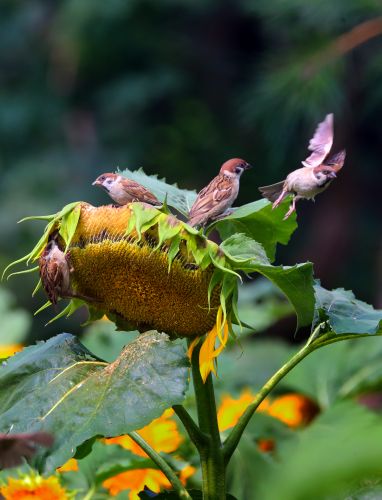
[346, 314]
[296, 282]
[258, 221]
[181, 199]
[60, 387]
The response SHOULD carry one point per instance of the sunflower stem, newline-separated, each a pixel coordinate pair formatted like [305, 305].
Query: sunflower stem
[162, 464]
[199, 439]
[230, 444]
[211, 453]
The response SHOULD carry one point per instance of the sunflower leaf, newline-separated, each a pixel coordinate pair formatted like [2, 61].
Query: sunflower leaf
[346, 314]
[58, 386]
[257, 220]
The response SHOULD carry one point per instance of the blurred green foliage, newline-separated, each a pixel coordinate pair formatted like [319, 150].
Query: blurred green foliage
[15, 323]
[178, 87]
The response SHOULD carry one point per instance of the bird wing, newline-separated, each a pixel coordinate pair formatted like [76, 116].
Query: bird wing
[139, 192]
[15, 447]
[215, 194]
[321, 143]
[51, 277]
[337, 160]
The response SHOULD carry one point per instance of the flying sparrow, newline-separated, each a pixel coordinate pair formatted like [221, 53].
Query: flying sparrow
[55, 272]
[315, 176]
[123, 190]
[218, 196]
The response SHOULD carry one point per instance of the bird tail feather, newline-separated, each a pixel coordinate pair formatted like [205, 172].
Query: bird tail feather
[273, 191]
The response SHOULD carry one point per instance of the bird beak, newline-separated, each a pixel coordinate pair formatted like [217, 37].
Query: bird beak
[332, 175]
[96, 183]
[247, 166]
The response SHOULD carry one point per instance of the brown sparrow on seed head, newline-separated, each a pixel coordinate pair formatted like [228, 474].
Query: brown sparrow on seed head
[55, 272]
[219, 195]
[123, 190]
[316, 175]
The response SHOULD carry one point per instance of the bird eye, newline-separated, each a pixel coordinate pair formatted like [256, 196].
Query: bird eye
[102, 178]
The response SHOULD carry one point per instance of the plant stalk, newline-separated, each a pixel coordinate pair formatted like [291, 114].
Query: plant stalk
[199, 439]
[211, 453]
[162, 464]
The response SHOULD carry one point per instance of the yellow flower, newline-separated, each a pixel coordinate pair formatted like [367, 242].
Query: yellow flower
[185, 473]
[295, 410]
[33, 487]
[208, 353]
[231, 409]
[9, 350]
[69, 466]
[162, 434]
[135, 481]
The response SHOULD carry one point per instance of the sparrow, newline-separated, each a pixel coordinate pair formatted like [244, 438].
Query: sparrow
[123, 190]
[218, 196]
[15, 447]
[55, 272]
[315, 176]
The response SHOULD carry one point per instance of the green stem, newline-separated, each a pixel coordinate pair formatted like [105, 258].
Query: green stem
[233, 439]
[199, 439]
[89, 495]
[211, 453]
[162, 464]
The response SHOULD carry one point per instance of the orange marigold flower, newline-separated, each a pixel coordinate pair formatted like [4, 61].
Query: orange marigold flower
[295, 410]
[33, 487]
[162, 434]
[231, 409]
[135, 481]
[69, 466]
[185, 473]
[10, 350]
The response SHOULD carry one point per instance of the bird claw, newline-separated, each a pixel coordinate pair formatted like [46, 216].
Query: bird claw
[289, 213]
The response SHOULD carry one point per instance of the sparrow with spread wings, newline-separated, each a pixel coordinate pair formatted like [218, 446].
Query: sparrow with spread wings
[315, 176]
[123, 190]
[218, 196]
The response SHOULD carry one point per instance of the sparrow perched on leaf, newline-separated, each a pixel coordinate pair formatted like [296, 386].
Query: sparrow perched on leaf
[315, 176]
[55, 272]
[15, 447]
[123, 190]
[218, 196]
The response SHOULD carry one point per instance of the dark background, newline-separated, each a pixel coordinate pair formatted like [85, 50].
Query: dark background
[178, 87]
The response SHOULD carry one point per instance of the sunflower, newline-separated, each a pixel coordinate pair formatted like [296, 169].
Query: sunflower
[33, 486]
[145, 269]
